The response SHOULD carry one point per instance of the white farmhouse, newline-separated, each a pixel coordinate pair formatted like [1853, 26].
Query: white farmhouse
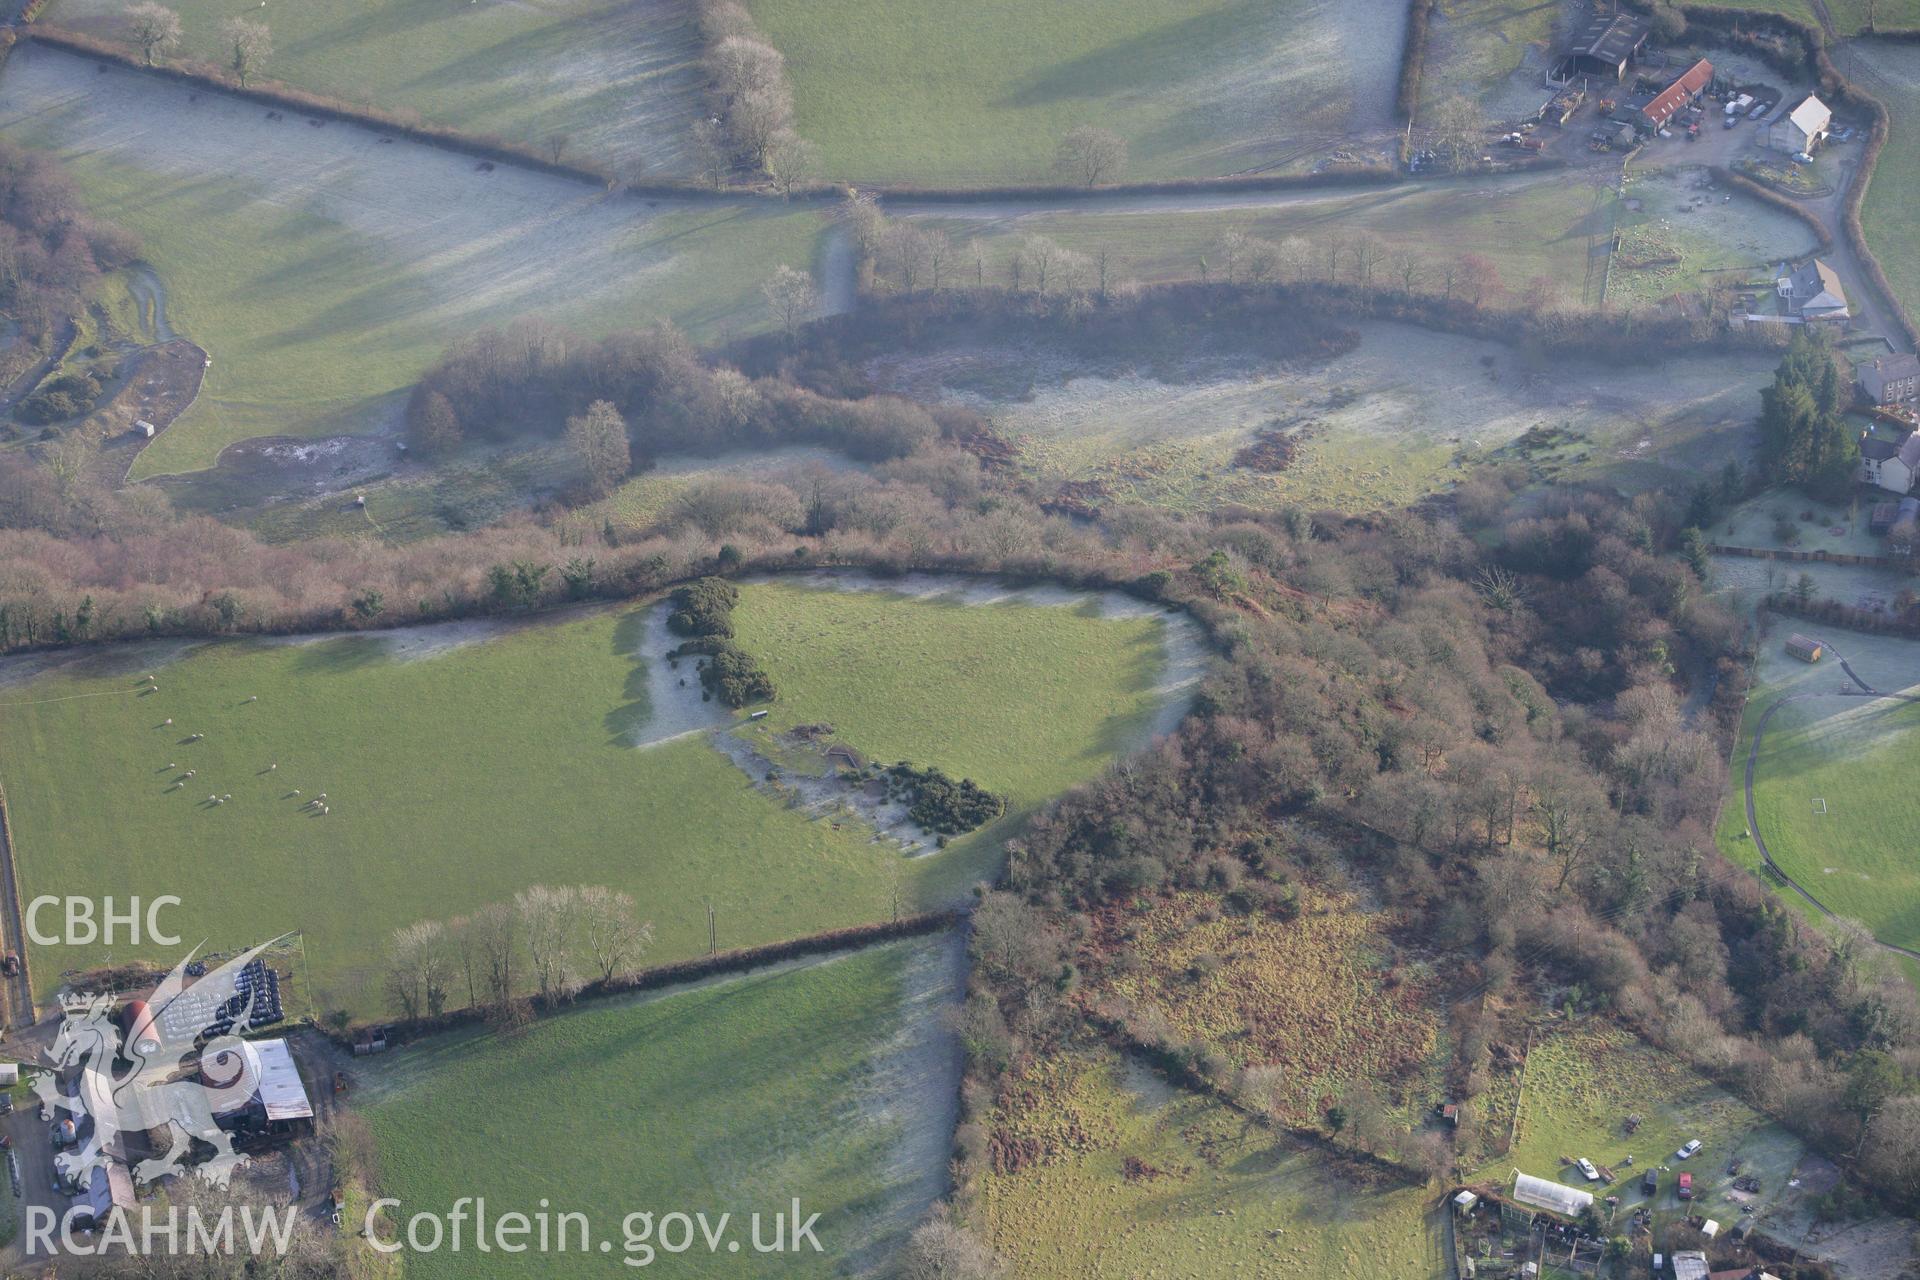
[1801, 129]
[1889, 465]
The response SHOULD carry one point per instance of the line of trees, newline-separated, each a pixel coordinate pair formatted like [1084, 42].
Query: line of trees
[155, 30]
[547, 941]
[750, 124]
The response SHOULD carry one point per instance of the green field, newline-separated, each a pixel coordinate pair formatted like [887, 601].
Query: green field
[618, 79]
[456, 778]
[1857, 856]
[921, 91]
[1527, 228]
[1847, 752]
[1891, 72]
[324, 270]
[735, 1097]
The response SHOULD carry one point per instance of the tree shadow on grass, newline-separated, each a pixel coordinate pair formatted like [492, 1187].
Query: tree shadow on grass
[625, 722]
[1147, 63]
[339, 656]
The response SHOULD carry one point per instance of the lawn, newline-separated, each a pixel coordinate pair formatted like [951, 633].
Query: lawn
[832, 1083]
[464, 762]
[926, 92]
[324, 270]
[1680, 235]
[1891, 72]
[1124, 1176]
[618, 80]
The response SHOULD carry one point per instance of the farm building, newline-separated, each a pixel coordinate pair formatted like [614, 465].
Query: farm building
[1890, 379]
[255, 1090]
[1683, 92]
[1812, 292]
[1605, 48]
[1805, 648]
[1889, 464]
[1801, 129]
[1541, 1193]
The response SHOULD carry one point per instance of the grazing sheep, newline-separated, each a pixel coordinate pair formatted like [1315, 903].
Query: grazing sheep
[168, 724]
[254, 698]
[172, 765]
[191, 772]
[296, 791]
[213, 799]
[226, 797]
[272, 767]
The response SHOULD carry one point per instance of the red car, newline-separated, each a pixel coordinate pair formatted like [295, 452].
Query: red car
[1686, 1186]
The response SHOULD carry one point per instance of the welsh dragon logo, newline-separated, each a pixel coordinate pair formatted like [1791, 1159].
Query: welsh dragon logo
[153, 1078]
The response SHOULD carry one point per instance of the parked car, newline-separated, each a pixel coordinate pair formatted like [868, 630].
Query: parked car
[1686, 1186]
[1688, 1151]
[1650, 1184]
[10, 964]
[1587, 1170]
[1759, 111]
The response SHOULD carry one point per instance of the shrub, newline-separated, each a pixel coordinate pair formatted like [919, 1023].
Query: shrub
[704, 608]
[940, 804]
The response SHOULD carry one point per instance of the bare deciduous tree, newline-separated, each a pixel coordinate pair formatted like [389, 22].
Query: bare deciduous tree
[550, 923]
[598, 438]
[417, 969]
[1090, 155]
[155, 29]
[249, 44]
[789, 161]
[791, 297]
[612, 934]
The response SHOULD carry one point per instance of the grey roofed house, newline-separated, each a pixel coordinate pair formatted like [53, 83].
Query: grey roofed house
[1813, 291]
[1877, 449]
[1890, 379]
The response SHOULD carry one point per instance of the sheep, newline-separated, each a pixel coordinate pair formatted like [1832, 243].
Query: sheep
[272, 767]
[225, 798]
[254, 698]
[168, 723]
[191, 772]
[296, 791]
[172, 765]
[213, 799]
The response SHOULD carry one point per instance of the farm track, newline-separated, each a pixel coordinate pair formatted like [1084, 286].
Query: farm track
[1862, 690]
[19, 988]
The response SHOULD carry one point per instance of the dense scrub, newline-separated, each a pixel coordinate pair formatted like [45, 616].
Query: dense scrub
[530, 378]
[51, 250]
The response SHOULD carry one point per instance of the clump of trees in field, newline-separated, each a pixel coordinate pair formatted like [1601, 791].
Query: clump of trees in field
[703, 611]
[941, 804]
[1803, 438]
[534, 377]
[751, 122]
[51, 250]
[546, 941]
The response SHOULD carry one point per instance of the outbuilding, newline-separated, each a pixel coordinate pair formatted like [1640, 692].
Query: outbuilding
[1802, 129]
[1891, 379]
[1606, 47]
[1805, 648]
[1554, 1197]
[1659, 110]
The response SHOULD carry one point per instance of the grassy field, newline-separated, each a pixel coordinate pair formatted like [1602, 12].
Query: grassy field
[465, 762]
[1891, 72]
[1583, 1082]
[1492, 50]
[1679, 235]
[617, 79]
[926, 92]
[1210, 1194]
[735, 1097]
[1526, 228]
[992, 696]
[324, 270]
[1834, 749]
[1400, 416]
